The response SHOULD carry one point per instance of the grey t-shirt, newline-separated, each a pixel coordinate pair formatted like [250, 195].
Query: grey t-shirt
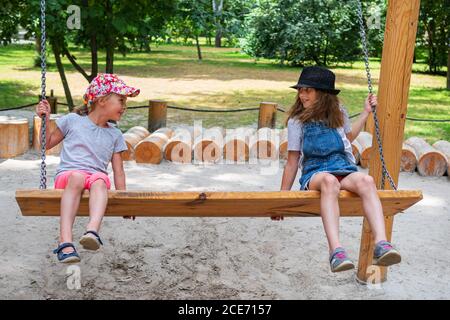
[295, 136]
[87, 146]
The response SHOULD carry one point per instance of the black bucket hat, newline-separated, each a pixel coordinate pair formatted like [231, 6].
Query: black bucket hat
[318, 78]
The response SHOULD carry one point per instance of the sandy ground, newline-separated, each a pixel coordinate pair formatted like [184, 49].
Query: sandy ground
[240, 258]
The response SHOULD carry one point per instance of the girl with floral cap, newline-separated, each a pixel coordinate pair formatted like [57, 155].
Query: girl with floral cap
[90, 144]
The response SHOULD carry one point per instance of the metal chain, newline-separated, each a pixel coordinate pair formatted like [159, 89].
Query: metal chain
[385, 172]
[43, 176]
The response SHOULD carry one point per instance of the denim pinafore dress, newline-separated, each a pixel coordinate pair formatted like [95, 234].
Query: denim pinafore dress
[323, 151]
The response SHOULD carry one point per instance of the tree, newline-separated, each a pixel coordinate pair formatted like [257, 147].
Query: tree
[217, 6]
[433, 32]
[105, 25]
[192, 20]
[304, 31]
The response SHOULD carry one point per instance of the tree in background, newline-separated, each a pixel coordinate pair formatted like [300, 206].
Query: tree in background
[217, 6]
[105, 25]
[434, 34]
[303, 31]
[191, 20]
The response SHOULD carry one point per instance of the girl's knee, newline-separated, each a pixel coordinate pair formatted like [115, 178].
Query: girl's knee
[366, 182]
[330, 184]
[99, 184]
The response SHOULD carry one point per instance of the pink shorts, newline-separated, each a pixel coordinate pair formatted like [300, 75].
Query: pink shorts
[89, 178]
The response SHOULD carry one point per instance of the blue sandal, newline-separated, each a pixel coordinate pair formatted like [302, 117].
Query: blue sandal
[91, 242]
[67, 257]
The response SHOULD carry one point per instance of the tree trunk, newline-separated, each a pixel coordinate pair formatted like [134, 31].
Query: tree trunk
[448, 68]
[110, 40]
[37, 43]
[217, 9]
[199, 51]
[94, 57]
[62, 74]
[218, 40]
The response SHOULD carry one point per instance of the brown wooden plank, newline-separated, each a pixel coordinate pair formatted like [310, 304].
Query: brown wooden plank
[213, 204]
[395, 74]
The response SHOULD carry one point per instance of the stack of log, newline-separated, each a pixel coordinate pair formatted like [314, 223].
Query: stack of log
[132, 137]
[417, 154]
[185, 144]
[211, 145]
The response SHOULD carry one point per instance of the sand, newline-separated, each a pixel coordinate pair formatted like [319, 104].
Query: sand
[215, 258]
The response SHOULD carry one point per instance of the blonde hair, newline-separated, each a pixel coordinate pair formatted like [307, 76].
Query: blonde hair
[85, 109]
[326, 109]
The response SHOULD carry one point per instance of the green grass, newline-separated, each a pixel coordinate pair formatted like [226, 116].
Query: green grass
[20, 81]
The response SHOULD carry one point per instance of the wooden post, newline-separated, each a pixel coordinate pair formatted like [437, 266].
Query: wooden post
[157, 115]
[53, 101]
[14, 139]
[267, 115]
[395, 76]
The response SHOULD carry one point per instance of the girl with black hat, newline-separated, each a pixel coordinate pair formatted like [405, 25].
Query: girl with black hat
[319, 142]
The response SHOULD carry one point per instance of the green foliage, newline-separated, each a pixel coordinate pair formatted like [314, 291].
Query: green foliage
[303, 31]
[434, 32]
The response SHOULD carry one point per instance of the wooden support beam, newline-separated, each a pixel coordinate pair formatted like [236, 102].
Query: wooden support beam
[396, 66]
[212, 204]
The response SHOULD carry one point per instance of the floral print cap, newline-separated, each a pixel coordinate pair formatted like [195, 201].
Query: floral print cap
[105, 83]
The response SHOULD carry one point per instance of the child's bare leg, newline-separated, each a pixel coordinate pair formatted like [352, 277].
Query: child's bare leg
[98, 200]
[329, 188]
[70, 202]
[363, 185]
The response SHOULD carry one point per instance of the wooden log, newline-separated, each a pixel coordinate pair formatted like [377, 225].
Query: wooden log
[213, 204]
[444, 147]
[408, 162]
[236, 144]
[263, 144]
[179, 147]
[37, 122]
[157, 115]
[150, 149]
[283, 144]
[208, 147]
[267, 115]
[365, 140]
[357, 150]
[430, 161]
[14, 139]
[132, 137]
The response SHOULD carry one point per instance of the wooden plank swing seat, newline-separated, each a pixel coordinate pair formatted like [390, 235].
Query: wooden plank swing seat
[394, 80]
[214, 204]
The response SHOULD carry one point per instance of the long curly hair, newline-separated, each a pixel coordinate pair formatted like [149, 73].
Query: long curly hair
[325, 109]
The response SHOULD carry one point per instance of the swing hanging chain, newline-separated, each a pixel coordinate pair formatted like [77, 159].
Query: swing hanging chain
[385, 172]
[43, 174]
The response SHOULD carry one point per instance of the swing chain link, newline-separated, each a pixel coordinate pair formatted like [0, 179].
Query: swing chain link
[43, 173]
[385, 172]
